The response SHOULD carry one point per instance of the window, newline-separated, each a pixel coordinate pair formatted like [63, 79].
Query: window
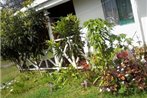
[118, 11]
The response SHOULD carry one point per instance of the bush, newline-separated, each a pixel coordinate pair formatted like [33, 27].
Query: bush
[129, 75]
[102, 40]
[70, 46]
[20, 35]
[67, 26]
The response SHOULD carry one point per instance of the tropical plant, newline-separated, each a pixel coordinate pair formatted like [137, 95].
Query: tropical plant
[23, 36]
[127, 76]
[100, 38]
[67, 26]
[104, 42]
[70, 44]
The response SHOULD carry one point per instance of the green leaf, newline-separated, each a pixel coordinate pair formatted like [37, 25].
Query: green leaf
[122, 36]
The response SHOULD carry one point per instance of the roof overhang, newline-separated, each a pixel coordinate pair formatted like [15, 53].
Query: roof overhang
[40, 5]
[49, 4]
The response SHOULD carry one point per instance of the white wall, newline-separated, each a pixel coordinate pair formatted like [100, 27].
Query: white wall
[142, 13]
[132, 28]
[139, 8]
[91, 9]
[88, 9]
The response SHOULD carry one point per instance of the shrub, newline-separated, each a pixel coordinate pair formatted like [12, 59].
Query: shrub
[128, 76]
[67, 26]
[70, 46]
[102, 40]
[23, 36]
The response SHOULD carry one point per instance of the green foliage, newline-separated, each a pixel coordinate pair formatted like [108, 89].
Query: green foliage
[128, 76]
[105, 45]
[35, 85]
[64, 77]
[68, 29]
[30, 80]
[124, 42]
[67, 26]
[20, 35]
[103, 41]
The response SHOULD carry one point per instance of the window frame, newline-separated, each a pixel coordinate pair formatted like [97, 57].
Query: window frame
[113, 12]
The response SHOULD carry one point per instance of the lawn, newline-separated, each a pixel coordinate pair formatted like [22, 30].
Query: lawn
[37, 87]
[9, 73]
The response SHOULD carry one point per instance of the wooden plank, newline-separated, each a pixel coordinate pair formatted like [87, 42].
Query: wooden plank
[53, 68]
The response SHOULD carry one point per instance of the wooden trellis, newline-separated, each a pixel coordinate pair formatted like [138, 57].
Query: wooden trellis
[46, 62]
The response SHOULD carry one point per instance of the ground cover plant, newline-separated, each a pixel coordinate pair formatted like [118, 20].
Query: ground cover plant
[36, 86]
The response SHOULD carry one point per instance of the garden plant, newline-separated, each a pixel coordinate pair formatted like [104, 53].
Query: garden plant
[20, 36]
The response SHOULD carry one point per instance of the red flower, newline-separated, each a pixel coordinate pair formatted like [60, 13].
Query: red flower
[122, 55]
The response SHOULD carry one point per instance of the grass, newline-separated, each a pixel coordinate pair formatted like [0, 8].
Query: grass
[8, 74]
[4, 62]
[69, 92]
[37, 92]
[35, 85]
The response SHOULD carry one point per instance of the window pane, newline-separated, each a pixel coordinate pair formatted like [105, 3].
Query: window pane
[110, 10]
[124, 11]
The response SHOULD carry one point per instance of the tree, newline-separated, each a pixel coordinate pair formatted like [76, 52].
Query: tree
[23, 36]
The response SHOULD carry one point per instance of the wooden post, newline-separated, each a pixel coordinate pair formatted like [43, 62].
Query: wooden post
[46, 13]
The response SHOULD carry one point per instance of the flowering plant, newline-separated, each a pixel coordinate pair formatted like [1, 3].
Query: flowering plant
[129, 74]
